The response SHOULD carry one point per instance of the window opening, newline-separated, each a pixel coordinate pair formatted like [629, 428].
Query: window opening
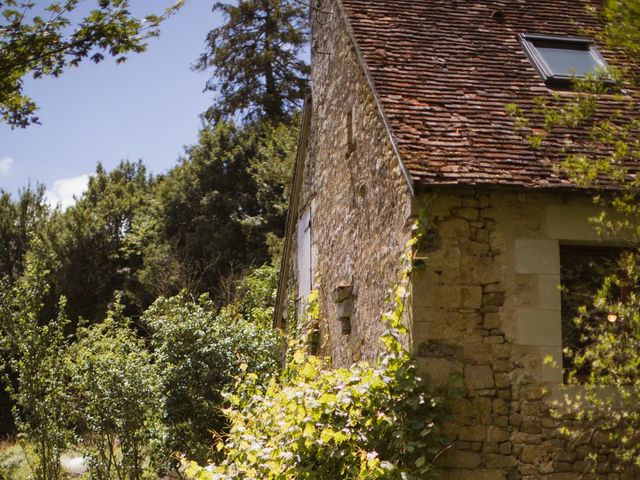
[583, 270]
[351, 142]
[558, 60]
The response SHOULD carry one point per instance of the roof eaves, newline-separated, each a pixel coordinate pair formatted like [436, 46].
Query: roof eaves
[292, 212]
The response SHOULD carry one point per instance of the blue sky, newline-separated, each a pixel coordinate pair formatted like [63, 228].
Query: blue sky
[147, 108]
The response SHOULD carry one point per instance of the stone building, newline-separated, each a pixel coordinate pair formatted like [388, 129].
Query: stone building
[408, 101]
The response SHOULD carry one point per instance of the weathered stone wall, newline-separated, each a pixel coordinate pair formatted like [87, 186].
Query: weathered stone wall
[359, 198]
[487, 307]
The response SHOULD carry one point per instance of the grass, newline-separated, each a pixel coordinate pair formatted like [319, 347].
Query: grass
[13, 460]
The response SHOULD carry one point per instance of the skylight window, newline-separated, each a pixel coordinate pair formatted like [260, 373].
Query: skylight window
[561, 59]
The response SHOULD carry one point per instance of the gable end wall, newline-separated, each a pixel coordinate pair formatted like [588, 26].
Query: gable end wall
[360, 201]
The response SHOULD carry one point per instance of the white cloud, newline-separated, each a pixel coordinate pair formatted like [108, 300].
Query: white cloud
[5, 165]
[65, 191]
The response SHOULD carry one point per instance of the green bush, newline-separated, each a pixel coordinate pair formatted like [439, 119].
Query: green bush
[34, 350]
[118, 399]
[370, 421]
[200, 354]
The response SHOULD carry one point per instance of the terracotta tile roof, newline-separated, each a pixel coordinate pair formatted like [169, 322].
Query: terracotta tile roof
[444, 71]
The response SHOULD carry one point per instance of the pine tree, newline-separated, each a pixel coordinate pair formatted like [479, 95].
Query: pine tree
[256, 59]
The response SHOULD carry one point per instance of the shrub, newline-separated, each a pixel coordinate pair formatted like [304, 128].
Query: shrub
[200, 355]
[35, 352]
[118, 399]
[370, 421]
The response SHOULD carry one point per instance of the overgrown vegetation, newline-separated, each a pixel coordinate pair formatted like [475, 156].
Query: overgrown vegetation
[373, 420]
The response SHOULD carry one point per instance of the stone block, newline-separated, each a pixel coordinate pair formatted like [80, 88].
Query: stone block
[549, 292]
[473, 433]
[505, 448]
[454, 230]
[469, 201]
[532, 454]
[477, 248]
[538, 327]
[471, 297]
[459, 459]
[497, 434]
[502, 380]
[493, 299]
[490, 447]
[468, 213]
[476, 474]
[571, 222]
[500, 407]
[437, 349]
[438, 370]
[479, 377]
[500, 461]
[537, 256]
[442, 206]
[439, 296]
[530, 409]
[497, 241]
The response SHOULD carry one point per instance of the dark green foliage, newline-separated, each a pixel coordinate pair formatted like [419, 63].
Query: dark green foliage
[93, 257]
[200, 355]
[217, 212]
[42, 40]
[255, 57]
[18, 219]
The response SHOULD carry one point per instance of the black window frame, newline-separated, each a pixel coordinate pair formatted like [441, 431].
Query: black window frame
[587, 44]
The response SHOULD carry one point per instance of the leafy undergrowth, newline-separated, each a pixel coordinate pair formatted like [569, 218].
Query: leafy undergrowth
[374, 420]
[15, 458]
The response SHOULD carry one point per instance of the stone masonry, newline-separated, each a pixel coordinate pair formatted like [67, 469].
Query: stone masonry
[359, 198]
[487, 309]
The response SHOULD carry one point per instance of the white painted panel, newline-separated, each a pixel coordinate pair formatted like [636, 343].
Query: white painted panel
[304, 254]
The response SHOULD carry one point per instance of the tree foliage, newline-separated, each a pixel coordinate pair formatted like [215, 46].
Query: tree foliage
[93, 258]
[42, 40]
[18, 220]
[218, 211]
[256, 59]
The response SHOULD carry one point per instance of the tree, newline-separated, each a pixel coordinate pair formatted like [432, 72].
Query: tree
[217, 212]
[258, 71]
[43, 41]
[200, 354]
[34, 350]
[93, 254]
[18, 220]
[117, 399]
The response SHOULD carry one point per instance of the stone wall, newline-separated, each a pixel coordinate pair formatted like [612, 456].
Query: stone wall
[487, 308]
[358, 195]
